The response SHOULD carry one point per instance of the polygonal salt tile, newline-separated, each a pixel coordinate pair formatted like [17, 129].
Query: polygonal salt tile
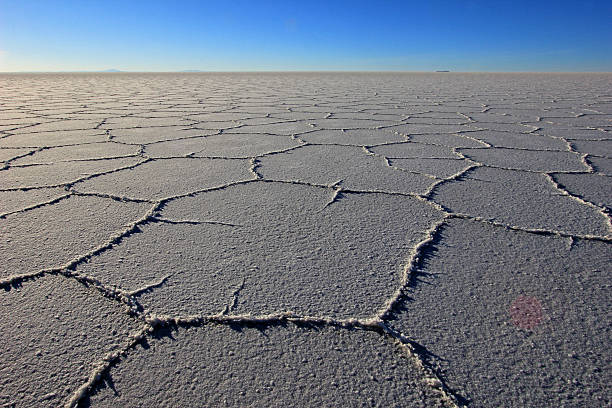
[216, 126]
[519, 140]
[143, 122]
[157, 134]
[515, 159]
[86, 151]
[282, 129]
[437, 121]
[16, 200]
[401, 112]
[507, 127]
[600, 106]
[525, 200]
[58, 138]
[10, 116]
[52, 235]
[260, 121]
[269, 366]
[331, 123]
[329, 164]
[601, 164]
[598, 148]
[574, 133]
[514, 319]
[53, 332]
[412, 150]
[299, 115]
[419, 129]
[259, 108]
[583, 121]
[355, 137]
[520, 115]
[441, 168]
[220, 116]
[259, 237]
[450, 140]
[58, 113]
[178, 261]
[595, 188]
[59, 173]
[322, 110]
[379, 116]
[8, 154]
[494, 118]
[11, 128]
[168, 177]
[156, 114]
[61, 125]
[225, 145]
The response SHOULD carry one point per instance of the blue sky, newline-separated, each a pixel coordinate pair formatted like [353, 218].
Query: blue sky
[230, 35]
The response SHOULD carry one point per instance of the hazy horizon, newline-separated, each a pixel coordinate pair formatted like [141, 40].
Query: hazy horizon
[298, 72]
[156, 36]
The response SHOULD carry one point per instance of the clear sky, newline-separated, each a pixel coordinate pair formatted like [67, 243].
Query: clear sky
[233, 35]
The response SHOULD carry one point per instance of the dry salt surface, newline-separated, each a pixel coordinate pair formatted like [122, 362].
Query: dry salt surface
[400, 240]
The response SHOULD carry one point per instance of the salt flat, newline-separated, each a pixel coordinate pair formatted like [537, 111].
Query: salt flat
[300, 239]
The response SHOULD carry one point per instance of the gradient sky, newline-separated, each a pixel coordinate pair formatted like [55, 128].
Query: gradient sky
[220, 35]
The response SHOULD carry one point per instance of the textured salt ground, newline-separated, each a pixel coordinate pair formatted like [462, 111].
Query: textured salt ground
[290, 251]
[269, 367]
[52, 235]
[450, 140]
[8, 154]
[60, 125]
[460, 310]
[333, 123]
[602, 165]
[355, 137]
[59, 138]
[18, 200]
[221, 116]
[594, 188]
[509, 127]
[439, 167]
[327, 165]
[519, 140]
[419, 129]
[171, 177]
[230, 146]
[283, 129]
[406, 150]
[53, 331]
[307, 245]
[59, 173]
[504, 193]
[135, 122]
[147, 135]
[597, 148]
[257, 121]
[377, 116]
[593, 121]
[573, 133]
[82, 152]
[540, 161]
[437, 121]
[295, 115]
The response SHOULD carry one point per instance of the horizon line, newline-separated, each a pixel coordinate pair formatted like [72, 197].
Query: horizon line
[297, 71]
